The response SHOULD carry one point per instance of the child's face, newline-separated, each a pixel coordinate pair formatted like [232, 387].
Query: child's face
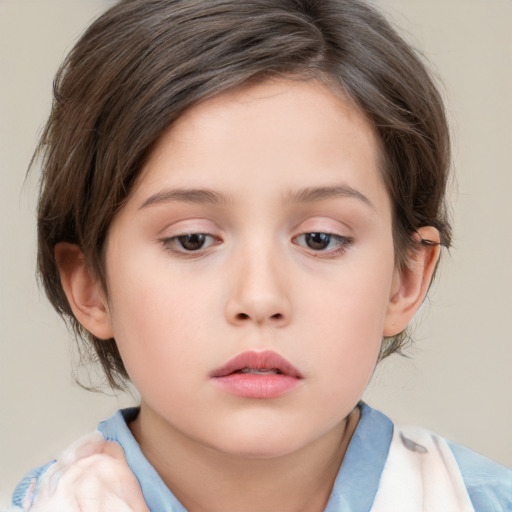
[289, 250]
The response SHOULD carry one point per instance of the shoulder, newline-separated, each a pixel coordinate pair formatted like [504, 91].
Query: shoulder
[489, 484]
[30, 485]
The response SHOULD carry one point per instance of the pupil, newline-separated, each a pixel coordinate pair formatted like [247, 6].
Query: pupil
[318, 241]
[192, 242]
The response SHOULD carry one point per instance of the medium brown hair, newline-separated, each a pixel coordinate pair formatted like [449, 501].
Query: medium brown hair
[143, 63]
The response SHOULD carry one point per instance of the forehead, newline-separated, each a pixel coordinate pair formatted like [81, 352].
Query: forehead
[268, 138]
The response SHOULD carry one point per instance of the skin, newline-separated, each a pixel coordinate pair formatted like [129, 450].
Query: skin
[257, 283]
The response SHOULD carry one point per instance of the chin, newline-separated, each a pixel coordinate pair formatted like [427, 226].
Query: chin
[259, 441]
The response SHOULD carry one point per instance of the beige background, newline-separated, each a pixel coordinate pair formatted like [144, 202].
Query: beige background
[459, 379]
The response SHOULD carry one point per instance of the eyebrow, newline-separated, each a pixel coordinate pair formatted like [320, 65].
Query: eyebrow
[313, 194]
[186, 195]
[208, 196]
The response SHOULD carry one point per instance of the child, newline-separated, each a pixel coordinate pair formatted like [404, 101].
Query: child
[242, 208]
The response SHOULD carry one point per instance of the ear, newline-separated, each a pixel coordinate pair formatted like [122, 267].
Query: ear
[410, 284]
[84, 293]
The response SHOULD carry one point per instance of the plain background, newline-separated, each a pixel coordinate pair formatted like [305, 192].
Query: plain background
[458, 380]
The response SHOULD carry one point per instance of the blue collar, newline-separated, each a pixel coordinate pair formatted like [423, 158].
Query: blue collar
[354, 489]
[358, 479]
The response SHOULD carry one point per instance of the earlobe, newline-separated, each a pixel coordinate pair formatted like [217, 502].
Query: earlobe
[84, 293]
[410, 284]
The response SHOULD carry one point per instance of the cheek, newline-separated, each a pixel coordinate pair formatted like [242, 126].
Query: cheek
[151, 315]
[352, 302]
[348, 315]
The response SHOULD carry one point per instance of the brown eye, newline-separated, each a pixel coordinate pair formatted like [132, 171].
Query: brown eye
[317, 241]
[192, 242]
[326, 245]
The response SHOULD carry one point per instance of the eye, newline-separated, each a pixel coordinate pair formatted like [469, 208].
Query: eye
[317, 241]
[189, 242]
[324, 242]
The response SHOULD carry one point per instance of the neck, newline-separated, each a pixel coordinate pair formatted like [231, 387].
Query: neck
[206, 480]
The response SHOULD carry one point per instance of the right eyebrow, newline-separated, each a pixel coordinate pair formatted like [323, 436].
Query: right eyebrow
[186, 195]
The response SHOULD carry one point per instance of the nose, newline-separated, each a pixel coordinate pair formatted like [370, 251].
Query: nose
[258, 293]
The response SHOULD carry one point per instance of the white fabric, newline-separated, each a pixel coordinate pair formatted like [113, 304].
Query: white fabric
[420, 475]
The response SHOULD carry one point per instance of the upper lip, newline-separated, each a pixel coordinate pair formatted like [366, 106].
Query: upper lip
[255, 360]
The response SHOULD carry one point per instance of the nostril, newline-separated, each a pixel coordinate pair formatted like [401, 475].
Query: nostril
[245, 316]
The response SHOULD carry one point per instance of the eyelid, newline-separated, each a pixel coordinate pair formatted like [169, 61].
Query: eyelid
[169, 244]
[344, 243]
[328, 222]
[186, 225]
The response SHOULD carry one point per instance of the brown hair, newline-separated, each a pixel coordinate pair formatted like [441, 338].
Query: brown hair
[145, 62]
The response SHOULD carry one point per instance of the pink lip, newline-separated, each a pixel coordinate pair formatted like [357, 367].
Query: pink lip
[253, 385]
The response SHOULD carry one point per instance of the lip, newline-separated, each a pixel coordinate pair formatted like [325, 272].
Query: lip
[268, 359]
[257, 385]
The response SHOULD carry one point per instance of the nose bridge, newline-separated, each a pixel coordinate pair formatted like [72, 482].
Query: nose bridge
[259, 291]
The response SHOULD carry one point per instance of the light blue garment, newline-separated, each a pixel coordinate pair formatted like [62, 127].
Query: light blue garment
[489, 484]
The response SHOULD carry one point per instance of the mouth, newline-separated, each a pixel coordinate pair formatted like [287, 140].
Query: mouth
[258, 363]
[263, 371]
[261, 375]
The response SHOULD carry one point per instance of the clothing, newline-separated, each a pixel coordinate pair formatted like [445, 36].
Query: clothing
[379, 464]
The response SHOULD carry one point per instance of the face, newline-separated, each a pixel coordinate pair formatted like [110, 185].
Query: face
[250, 273]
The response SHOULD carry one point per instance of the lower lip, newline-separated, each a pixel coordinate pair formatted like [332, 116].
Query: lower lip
[257, 386]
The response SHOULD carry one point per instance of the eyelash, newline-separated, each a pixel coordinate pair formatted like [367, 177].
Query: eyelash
[342, 243]
[170, 244]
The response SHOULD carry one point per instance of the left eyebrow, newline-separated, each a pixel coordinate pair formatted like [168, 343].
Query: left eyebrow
[313, 194]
